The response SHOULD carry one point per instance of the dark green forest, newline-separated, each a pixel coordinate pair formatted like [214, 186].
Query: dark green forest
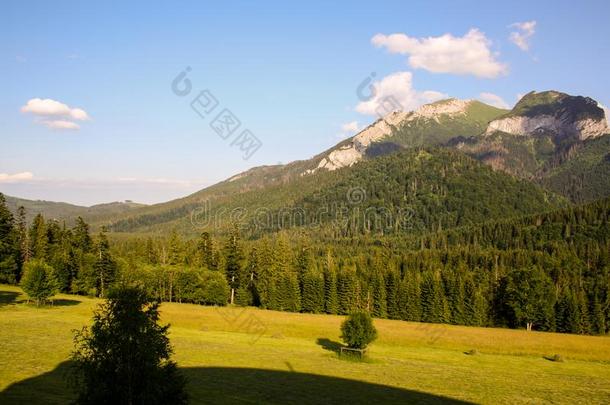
[548, 271]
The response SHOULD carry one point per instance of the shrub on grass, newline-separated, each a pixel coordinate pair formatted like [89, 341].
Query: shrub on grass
[39, 281]
[358, 330]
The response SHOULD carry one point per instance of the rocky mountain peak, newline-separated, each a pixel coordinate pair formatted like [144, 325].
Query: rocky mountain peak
[551, 111]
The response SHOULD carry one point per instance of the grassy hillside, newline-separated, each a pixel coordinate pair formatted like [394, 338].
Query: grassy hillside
[438, 131]
[259, 356]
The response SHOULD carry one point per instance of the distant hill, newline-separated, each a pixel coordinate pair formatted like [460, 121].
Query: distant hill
[69, 212]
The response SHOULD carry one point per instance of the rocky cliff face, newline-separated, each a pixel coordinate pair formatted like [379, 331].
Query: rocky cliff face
[565, 116]
[354, 151]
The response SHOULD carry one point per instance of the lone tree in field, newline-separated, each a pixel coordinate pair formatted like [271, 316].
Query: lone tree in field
[529, 296]
[357, 331]
[124, 358]
[39, 281]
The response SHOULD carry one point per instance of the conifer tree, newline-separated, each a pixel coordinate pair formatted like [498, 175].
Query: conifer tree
[81, 236]
[347, 290]
[313, 291]
[38, 238]
[234, 258]
[413, 302]
[378, 287]
[105, 266]
[331, 305]
[23, 241]
[9, 257]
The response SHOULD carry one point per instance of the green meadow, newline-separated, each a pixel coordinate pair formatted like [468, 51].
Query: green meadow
[250, 356]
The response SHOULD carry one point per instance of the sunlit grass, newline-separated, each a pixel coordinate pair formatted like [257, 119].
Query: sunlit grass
[509, 366]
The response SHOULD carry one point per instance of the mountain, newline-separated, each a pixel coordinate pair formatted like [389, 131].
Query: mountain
[416, 190]
[550, 143]
[68, 212]
[430, 125]
[549, 137]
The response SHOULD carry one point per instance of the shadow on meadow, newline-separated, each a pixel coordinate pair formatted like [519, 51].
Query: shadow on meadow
[8, 297]
[329, 345]
[223, 385]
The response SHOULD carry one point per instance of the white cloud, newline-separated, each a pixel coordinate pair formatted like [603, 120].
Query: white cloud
[493, 99]
[60, 124]
[55, 114]
[467, 55]
[16, 178]
[399, 88]
[521, 37]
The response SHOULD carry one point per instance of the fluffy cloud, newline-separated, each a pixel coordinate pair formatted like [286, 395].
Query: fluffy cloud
[521, 37]
[396, 88]
[493, 99]
[467, 55]
[55, 114]
[15, 178]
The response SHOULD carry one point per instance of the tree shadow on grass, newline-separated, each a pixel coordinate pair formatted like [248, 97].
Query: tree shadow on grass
[223, 385]
[8, 297]
[329, 345]
[62, 302]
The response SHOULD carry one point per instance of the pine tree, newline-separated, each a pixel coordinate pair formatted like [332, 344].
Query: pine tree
[331, 304]
[432, 298]
[597, 315]
[394, 295]
[413, 297]
[105, 266]
[378, 287]
[81, 237]
[23, 241]
[264, 276]
[347, 290]
[151, 253]
[9, 259]
[567, 312]
[313, 291]
[38, 238]
[234, 258]
[206, 254]
[175, 250]
[288, 294]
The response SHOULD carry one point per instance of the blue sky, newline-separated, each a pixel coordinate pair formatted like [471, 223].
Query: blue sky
[288, 72]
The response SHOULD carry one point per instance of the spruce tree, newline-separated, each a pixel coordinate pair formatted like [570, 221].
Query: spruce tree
[331, 304]
[347, 290]
[23, 241]
[105, 266]
[38, 238]
[234, 259]
[313, 291]
[9, 257]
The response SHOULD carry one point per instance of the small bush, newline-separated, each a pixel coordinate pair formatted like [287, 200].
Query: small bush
[39, 281]
[358, 330]
[556, 357]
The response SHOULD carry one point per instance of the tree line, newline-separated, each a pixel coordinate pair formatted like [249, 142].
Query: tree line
[544, 272]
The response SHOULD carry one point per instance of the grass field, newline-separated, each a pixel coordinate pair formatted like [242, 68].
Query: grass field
[237, 355]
